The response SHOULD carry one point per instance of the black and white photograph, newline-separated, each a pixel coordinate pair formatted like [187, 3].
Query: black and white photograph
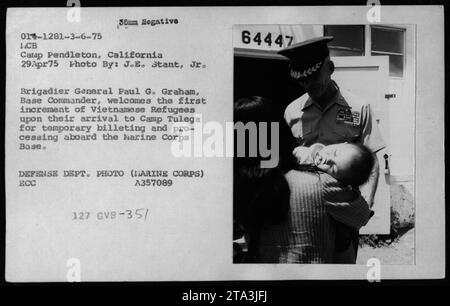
[235, 144]
[345, 94]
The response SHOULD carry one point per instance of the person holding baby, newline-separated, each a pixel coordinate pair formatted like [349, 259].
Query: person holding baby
[338, 121]
[293, 211]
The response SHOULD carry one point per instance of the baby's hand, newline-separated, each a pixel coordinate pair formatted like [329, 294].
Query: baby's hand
[319, 159]
[323, 163]
[303, 155]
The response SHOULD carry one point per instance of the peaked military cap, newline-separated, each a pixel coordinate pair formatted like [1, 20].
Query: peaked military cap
[307, 57]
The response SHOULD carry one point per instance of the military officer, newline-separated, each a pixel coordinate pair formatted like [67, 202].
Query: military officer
[326, 113]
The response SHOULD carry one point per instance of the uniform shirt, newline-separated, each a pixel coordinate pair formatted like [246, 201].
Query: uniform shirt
[345, 119]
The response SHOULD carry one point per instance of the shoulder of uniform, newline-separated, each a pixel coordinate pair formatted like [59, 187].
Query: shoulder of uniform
[354, 101]
[297, 104]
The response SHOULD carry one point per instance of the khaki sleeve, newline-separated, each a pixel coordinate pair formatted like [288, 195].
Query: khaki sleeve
[370, 134]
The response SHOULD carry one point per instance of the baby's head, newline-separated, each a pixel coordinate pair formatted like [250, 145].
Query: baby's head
[347, 162]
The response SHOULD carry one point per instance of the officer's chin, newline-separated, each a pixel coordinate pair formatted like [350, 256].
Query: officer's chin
[314, 93]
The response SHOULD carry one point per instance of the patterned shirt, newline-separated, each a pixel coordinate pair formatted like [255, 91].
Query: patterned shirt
[308, 235]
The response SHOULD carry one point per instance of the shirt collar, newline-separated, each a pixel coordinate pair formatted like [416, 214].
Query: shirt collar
[338, 99]
[308, 103]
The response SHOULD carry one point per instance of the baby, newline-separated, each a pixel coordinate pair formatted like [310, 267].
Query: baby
[349, 163]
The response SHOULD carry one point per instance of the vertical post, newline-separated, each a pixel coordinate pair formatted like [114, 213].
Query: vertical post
[367, 40]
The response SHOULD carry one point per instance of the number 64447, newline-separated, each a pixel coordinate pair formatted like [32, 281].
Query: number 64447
[268, 39]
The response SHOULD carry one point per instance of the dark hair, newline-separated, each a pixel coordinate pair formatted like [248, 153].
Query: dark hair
[259, 109]
[261, 195]
[361, 166]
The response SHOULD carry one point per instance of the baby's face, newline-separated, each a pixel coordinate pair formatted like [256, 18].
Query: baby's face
[336, 159]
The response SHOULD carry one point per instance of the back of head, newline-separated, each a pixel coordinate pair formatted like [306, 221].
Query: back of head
[256, 109]
[261, 195]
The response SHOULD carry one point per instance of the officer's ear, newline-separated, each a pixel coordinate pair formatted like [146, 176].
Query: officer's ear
[331, 67]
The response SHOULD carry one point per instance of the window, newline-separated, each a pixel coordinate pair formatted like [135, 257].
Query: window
[351, 40]
[348, 40]
[391, 42]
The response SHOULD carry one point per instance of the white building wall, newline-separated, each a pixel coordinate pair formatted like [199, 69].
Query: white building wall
[402, 116]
